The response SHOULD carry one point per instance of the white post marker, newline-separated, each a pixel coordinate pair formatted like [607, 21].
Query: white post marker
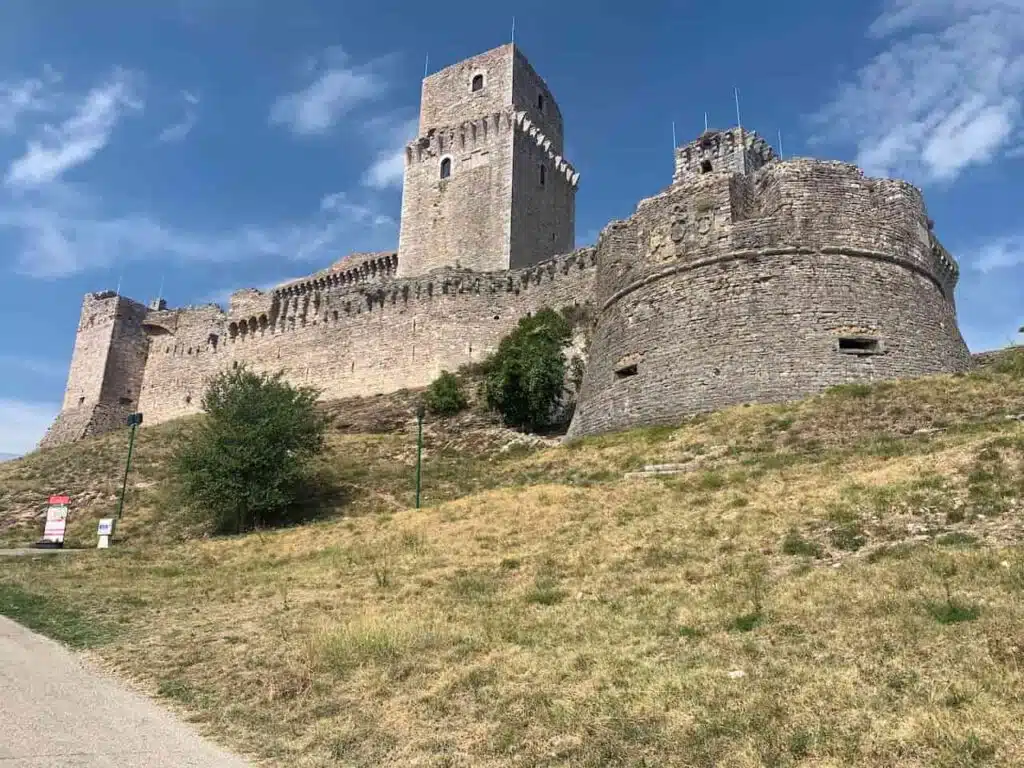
[105, 530]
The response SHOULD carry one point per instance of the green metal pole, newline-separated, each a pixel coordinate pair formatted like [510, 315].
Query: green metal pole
[419, 453]
[124, 484]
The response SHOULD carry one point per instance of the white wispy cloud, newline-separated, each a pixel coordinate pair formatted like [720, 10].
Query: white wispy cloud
[943, 94]
[22, 98]
[337, 87]
[179, 130]
[391, 134]
[23, 424]
[998, 253]
[44, 368]
[57, 149]
[61, 236]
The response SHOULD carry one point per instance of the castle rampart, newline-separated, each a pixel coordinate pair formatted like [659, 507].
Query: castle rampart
[353, 340]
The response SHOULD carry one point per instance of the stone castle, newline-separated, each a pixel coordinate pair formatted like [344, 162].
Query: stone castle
[749, 279]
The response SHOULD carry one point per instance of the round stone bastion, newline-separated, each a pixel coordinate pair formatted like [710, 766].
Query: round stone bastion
[763, 288]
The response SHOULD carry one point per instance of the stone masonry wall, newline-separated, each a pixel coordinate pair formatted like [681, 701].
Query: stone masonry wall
[465, 219]
[481, 214]
[543, 214]
[105, 377]
[353, 339]
[726, 290]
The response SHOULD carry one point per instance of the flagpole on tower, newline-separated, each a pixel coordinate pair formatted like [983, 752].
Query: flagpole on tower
[739, 123]
[674, 145]
[780, 144]
[426, 65]
[705, 122]
[513, 29]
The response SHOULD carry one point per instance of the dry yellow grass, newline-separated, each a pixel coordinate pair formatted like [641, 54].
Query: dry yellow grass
[826, 588]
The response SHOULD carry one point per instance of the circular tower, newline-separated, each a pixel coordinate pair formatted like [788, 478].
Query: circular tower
[755, 280]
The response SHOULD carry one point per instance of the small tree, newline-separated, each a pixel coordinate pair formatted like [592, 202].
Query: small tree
[245, 465]
[525, 377]
[444, 395]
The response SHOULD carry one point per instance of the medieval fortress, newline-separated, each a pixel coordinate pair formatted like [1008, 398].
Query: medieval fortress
[748, 279]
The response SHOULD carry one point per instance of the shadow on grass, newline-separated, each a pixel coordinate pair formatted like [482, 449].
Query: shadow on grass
[49, 616]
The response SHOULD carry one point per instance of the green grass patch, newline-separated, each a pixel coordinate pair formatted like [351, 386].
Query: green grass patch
[49, 616]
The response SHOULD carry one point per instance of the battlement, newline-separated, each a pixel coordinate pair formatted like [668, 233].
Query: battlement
[381, 267]
[736, 150]
[472, 135]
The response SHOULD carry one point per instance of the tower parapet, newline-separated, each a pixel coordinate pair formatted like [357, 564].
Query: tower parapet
[736, 150]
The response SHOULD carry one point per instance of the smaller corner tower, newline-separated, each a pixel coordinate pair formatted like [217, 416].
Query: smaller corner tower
[735, 150]
[486, 185]
[107, 366]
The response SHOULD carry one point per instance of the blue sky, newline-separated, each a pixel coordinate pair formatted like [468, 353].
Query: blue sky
[210, 145]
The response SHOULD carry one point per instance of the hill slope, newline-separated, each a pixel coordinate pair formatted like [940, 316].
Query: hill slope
[832, 582]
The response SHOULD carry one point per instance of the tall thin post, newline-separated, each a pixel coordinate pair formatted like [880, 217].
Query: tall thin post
[736, 91]
[705, 122]
[513, 29]
[674, 145]
[124, 483]
[419, 451]
[780, 144]
[426, 65]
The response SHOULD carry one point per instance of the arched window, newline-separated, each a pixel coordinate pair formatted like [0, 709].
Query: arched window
[478, 83]
[540, 102]
[446, 168]
[543, 174]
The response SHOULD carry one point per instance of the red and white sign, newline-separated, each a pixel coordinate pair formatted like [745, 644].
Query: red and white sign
[56, 519]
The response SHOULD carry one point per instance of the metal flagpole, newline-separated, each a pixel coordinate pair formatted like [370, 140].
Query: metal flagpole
[426, 64]
[780, 144]
[739, 123]
[513, 29]
[419, 449]
[674, 136]
[705, 122]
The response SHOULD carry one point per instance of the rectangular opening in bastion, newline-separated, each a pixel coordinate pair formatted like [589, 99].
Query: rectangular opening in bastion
[860, 345]
[626, 371]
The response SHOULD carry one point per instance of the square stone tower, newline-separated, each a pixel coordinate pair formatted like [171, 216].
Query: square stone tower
[486, 186]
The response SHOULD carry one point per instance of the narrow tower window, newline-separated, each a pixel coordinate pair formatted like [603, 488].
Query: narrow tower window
[705, 167]
[446, 168]
[540, 102]
[543, 174]
[478, 83]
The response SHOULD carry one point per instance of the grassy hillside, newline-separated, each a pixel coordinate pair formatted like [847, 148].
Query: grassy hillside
[833, 582]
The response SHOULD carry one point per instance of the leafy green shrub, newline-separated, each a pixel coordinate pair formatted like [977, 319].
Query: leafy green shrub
[525, 378]
[444, 395]
[1011, 362]
[247, 463]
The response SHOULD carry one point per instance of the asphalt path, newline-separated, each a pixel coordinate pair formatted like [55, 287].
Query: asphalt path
[58, 713]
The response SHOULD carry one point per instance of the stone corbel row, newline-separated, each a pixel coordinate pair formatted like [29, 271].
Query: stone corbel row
[560, 163]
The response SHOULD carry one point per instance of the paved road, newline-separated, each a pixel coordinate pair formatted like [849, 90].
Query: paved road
[56, 713]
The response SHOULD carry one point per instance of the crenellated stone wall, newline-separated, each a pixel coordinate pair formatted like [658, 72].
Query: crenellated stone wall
[351, 339]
